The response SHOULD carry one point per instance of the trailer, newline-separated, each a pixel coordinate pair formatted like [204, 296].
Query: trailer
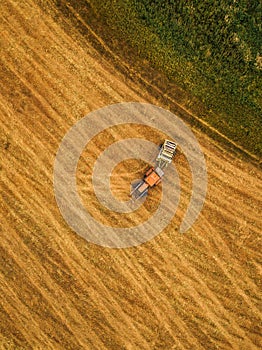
[166, 154]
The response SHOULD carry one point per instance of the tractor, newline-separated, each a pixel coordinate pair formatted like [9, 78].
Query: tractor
[154, 175]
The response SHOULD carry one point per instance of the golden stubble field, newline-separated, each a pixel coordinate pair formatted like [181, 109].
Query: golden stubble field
[200, 290]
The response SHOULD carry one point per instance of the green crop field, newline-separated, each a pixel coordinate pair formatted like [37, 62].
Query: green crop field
[211, 49]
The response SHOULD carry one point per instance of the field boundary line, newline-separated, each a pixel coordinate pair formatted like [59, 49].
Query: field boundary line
[255, 158]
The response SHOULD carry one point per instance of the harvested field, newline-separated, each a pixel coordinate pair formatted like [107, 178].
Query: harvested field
[200, 290]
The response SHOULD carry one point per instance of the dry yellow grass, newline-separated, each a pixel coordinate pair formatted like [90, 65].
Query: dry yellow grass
[195, 291]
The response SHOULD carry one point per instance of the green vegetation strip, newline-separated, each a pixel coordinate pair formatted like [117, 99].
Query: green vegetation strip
[210, 48]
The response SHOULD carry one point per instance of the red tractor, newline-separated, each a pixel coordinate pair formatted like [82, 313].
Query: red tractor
[154, 175]
[151, 178]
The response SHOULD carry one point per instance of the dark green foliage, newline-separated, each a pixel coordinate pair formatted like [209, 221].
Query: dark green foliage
[212, 48]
